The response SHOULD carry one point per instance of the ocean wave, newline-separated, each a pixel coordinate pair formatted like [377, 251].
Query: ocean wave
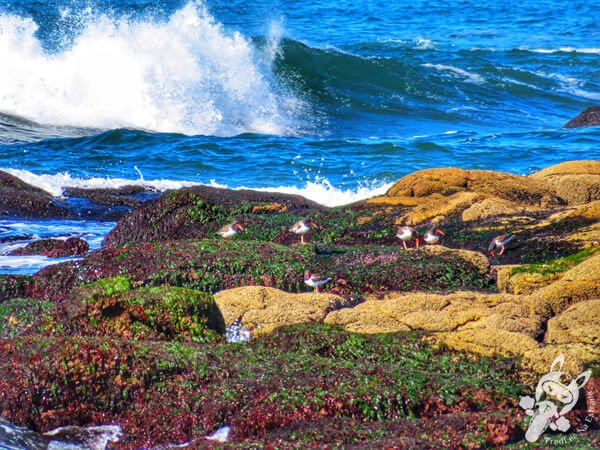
[320, 190]
[185, 74]
[16, 233]
[468, 76]
[589, 51]
[570, 85]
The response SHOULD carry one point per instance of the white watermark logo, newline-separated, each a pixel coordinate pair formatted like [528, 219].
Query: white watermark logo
[553, 400]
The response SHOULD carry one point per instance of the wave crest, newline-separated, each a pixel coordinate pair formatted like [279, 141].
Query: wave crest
[184, 74]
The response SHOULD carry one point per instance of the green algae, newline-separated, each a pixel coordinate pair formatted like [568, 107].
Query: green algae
[21, 315]
[386, 268]
[558, 265]
[112, 307]
[312, 383]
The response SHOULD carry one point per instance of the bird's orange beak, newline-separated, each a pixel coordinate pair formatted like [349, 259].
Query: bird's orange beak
[417, 242]
[239, 227]
[440, 231]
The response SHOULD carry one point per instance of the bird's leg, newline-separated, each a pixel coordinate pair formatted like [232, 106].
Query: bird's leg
[501, 251]
[302, 239]
[404, 243]
[317, 289]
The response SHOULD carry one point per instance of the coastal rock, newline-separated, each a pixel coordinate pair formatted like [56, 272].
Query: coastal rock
[589, 117]
[493, 207]
[450, 181]
[575, 182]
[479, 314]
[578, 324]
[578, 357]
[13, 286]
[490, 342]
[123, 196]
[114, 308]
[25, 316]
[299, 376]
[523, 283]
[536, 358]
[198, 212]
[365, 269]
[106, 203]
[20, 199]
[483, 324]
[578, 284]
[263, 309]
[438, 205]
[204, 265]
[54, 248]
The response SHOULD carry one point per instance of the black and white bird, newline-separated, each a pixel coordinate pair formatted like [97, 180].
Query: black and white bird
[314, 281]
[433, 235]
[230, 230]
[408, 234]
[302, 227]
[235, 333]
[500, 242]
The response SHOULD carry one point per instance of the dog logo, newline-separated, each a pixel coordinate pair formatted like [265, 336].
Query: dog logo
[553, 400]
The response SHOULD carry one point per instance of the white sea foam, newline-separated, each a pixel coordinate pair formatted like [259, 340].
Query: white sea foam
[570, 85]
[184, 74]
[591, 50]
[423, 44]
[324, 193]
[468, 76]
[56, 183]
[320, 190]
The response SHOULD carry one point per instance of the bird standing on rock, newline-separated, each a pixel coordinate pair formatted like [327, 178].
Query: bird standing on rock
[302, 227]
[500, 242]
[228, 231]
[236, 333]
[407, 234]
[433, 236]
[314, 280]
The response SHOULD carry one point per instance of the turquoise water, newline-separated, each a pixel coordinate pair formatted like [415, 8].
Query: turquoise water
[333, 100]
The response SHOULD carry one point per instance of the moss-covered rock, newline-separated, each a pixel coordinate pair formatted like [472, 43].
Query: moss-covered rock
[167, 392]
[200, 211]
[204, 265]
[13, 286]
[22, 316]
[54, 248]
[526, 279]
[111, 307]
[365, 269]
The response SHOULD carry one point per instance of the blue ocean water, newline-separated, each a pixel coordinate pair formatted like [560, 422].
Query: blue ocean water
[330, 99]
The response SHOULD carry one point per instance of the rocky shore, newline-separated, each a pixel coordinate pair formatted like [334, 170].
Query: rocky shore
[428, 347]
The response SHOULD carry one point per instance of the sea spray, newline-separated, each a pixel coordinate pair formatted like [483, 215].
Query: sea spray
[320, 189]
[184, 74]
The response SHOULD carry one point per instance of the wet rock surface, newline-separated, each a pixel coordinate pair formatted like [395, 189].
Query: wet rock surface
[54, 248]
[589, 117]
[18, 198]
